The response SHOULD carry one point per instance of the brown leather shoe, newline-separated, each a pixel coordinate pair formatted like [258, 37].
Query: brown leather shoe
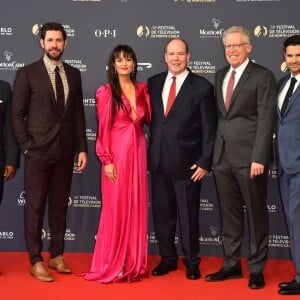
[39, 272]
[58, 263]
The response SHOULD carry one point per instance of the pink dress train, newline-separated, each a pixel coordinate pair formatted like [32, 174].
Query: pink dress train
[120, 252]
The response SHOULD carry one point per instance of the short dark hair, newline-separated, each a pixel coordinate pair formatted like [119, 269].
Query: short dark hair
[52, 26]
[179, 39]
[292, 40]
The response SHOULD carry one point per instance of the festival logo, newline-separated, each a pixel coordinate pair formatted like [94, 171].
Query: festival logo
[36, 28]
[89, 102]
[9, 64]
[213, 239]
[90, 134]
[279, 241]
[6, 235]
[276, 30]
[205, 205]
[69, 235]
[6, 31]
[152, 238]
[283, 67]
[144, 65]
[158, 31]
[202, 67]
[272, 208]
[76, 63]
[260, 31]
[22, 199]
[86, 201]
[215, 32]
[46, 234]
[195, 1]
[91, 1]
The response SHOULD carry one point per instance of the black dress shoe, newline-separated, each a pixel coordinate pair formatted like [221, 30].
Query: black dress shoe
[164, 268]
[223, 274]
[256, 280]
[293, 288]
[192, 272]
[286, 283]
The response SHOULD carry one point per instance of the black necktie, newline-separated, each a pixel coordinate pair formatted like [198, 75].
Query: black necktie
[60, 98]
[288, 95]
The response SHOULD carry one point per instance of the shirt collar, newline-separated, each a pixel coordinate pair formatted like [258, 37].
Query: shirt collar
[240, 69]
[297, 77]
[51, 66]
[179, 76]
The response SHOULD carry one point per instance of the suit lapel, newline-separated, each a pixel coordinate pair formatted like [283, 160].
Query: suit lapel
[158, 89]
[243, 79]
[292, 99]
[45, 78]
[70, 85]
[282, 84]
[219, 90]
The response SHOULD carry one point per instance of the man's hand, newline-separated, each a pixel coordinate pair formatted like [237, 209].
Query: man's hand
[82, 161]
[256, 169]
[9, 172]
[198, 174]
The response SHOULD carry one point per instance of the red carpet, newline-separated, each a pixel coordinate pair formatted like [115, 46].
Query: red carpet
[16, 283]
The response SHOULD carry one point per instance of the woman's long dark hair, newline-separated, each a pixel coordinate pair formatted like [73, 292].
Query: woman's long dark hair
[113, 78]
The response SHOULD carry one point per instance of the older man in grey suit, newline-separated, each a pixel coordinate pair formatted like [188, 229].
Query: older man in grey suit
[245, 94]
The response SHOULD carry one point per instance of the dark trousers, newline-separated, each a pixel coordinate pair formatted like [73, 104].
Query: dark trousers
[46, 180]
[290, 195]
[236, 190]
[174, 199]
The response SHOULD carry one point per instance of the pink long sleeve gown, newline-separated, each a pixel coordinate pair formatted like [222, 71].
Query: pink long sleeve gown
[120, 252]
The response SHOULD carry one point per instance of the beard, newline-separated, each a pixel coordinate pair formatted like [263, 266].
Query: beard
[55, 57]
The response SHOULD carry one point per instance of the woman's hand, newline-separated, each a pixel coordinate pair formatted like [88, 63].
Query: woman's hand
[110, 172]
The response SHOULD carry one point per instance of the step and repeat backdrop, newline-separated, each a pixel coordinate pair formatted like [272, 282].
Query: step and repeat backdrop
[94, 28]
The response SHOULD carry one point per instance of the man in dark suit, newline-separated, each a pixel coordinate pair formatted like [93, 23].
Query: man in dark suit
[288, 141]
[245, 94]
[180, 155]
[9, 149]
[49, 123]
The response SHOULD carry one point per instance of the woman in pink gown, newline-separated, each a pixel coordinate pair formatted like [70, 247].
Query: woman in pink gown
[123, 108]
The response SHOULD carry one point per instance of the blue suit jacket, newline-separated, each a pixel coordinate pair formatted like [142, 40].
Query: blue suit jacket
[288, 131]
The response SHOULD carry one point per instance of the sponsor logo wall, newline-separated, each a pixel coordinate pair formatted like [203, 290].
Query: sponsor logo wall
[94, 27]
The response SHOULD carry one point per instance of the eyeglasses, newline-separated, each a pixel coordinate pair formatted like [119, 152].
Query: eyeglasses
[234, 46]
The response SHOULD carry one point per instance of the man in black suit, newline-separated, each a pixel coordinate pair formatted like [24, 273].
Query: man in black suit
[9, 150]
[49, 123]
[180, 155]
[245, 93]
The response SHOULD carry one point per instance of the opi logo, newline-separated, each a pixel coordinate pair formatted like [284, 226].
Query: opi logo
[105, 33]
